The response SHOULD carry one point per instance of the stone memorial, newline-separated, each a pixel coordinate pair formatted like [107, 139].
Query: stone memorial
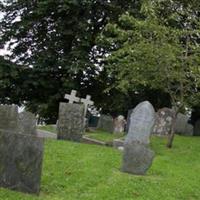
[197, 128]
[27, 123]
[128, 120]
[106, 123]
[20, 154]
[119, 124]
[163, 122]
[71, 122]
[138, 157]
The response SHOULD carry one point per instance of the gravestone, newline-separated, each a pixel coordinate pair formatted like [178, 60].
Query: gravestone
[8, 117]
[27, 123]
[20, 154]
[119, 124]
[87, 102]
[138, 157]
[128, 120]
[182, 126]
[163, 122]
[72, 97]
[106, 123]
[197, 128]
[71, 121]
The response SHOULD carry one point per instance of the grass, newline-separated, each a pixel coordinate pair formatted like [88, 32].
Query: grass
[49, 128]
[73, 171]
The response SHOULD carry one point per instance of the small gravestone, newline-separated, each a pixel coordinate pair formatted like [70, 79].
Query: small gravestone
[138, 157]
[8, 117]
[119, 124]
[106, 123]
[197, 128]
[71, 121]
[163, 122]
[20, 154]
[27, 123]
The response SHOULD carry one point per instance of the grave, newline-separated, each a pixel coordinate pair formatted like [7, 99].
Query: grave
[137, 156]
[106, 123]
[119, 124]
[71, 122]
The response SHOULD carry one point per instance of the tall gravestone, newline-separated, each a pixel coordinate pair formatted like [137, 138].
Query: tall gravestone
[27, 123]
[20, 155]
[71, 121]
[138, 157]
[106, 123]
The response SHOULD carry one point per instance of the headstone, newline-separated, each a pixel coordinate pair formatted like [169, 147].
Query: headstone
[8, 117]
[106, 123]
[72, 97]
[138, 157]
[20, 154]
[163, 122]
[119, 124]
[182, 126]
[71, 121]
[197, 128]
[27, 123]
[87, 101]
[128, 120]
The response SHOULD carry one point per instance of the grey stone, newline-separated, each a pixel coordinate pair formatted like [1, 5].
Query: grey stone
[137, 158]
[141, 123]
[118, 143]
[71, 122]
[8, 117]
[20, 161]
[106, 123]
[119, 124]
[27, 123]
[128, 120]
[182, 126]
[197, 128]
[163, 122]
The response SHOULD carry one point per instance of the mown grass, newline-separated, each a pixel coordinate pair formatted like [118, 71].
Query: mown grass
[49, 128]
[73, 171]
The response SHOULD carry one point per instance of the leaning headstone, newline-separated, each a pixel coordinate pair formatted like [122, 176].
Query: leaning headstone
[163, 122]
[182, 126]
[8, 117]
[27, 123]
[197, 128]
[71, 122]
[20, 162]
[138, 157]
[106, 123]
[119, 124]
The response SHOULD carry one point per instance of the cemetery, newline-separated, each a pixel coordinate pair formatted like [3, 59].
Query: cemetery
[99, 100]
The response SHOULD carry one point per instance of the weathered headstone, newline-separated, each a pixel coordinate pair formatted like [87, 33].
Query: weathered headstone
[128, 120]
[182, 126]
[71, 121]
[87, 102]
[27, 123]
[106, 123]
[163, 122]
[20, 154]
[8, 117]
[119, 124]
[138, 157]
[197, 128]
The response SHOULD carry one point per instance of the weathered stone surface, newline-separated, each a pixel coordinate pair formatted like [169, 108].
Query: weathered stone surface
[128, 120]
[182, 126]
[71, 122]
[27, 123]
[197, 128]
[137, 158]
[141, 123]
[8, 117]
[20, 161]
[106, 123]
[119, 124]
[163, 122]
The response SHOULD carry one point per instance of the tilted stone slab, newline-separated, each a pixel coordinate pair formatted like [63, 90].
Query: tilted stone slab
[20, 162]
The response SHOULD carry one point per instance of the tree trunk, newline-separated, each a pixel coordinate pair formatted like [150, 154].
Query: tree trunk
[172, 131]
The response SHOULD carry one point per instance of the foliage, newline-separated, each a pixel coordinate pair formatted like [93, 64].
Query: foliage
[88, 172]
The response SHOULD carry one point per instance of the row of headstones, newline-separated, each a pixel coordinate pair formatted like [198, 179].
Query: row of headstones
[21, 151]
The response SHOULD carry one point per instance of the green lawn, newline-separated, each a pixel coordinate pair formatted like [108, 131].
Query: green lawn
[49, 128]
[73, 171]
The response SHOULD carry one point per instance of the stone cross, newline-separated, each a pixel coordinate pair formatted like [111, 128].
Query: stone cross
[87, 102]
[72, 97]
